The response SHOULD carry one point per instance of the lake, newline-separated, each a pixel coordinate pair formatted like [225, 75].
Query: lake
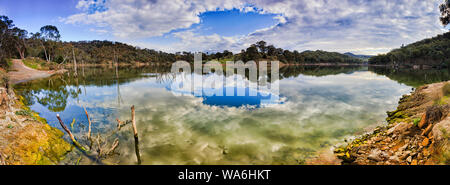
[316, 108]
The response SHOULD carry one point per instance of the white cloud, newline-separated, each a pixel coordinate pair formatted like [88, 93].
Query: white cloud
[141, 18]
[360, 26]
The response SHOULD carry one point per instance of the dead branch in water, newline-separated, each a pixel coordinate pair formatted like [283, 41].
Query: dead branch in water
[75, 142]
[89, 128]
[121, 124]
[135, 132]
[133, 121]
[101, 149]
[92, 156]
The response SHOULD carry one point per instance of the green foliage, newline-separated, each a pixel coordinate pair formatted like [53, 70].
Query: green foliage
[260, 51]
[432, 52]
[417, 121]
[23, 113]
[9, 63]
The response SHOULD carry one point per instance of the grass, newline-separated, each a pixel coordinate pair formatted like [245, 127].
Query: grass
[9, 63]
[445, 157]
[445, 99]
[224, 60]
[32, 63]
[446, 89]
[38, 64]
[23, 113]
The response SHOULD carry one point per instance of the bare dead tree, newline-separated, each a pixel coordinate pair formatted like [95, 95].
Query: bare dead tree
[74, 62]
[89, 128]
[121, 124]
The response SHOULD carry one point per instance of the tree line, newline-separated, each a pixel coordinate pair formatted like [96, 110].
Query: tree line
[432, 52]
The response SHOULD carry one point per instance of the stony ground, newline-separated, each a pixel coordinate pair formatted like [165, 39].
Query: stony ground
[417, 133]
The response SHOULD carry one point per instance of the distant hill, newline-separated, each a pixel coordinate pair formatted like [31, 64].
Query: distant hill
[320, 56]
[362, 57]
[428, 52]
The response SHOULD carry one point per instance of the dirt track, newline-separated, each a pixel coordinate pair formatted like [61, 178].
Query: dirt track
[20, 73]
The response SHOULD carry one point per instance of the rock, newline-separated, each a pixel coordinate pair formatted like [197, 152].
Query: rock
[405, 154]
[423, 122]
[426, 152]
[430, 134]
[438, 129]
[409, 159]
[394, 158]
[419, 156]
[427, 130]
[399, 128]
[403, 148]
[377, 139]
[8, 119]
[425, 142]
[375, 155]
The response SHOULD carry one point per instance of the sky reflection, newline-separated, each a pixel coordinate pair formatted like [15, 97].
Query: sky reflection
[312, 114]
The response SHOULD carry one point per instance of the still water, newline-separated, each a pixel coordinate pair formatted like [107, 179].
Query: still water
[315, 109]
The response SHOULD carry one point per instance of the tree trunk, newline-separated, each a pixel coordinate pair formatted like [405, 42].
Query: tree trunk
[21, 53]
[136, 138]
[45, 51]
[74, 62]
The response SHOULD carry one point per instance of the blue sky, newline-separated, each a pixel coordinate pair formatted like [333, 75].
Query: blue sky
[359, 26]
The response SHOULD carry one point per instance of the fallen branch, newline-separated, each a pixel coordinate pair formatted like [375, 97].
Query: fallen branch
[114, 146]
[121, 124]
[75, 142]
[87, 153]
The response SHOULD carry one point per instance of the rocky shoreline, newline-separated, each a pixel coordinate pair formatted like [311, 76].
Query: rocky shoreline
[417, 132]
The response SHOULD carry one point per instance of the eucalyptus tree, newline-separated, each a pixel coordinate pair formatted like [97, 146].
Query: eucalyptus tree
[49, 36]
[20, 40]
[5, 37]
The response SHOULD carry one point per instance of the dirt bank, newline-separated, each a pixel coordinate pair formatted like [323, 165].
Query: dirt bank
[26, 138]
[417, 132]
[20, 73]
